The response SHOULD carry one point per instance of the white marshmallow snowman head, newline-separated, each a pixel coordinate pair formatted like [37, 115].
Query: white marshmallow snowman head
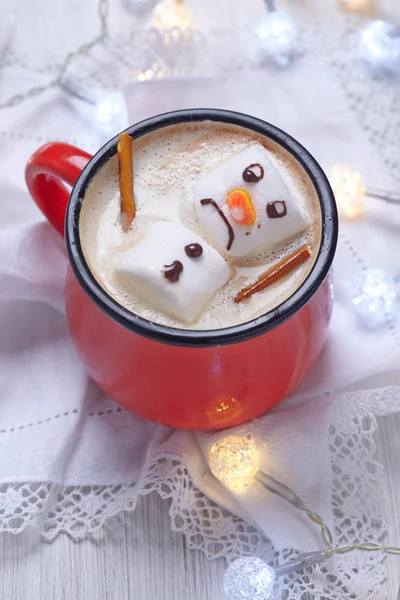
[173, 270]
[245, 206]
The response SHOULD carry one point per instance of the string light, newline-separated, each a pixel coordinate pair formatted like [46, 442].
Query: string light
[107, 108]
[349, 191]
[111, 113]
[170, 15]
[380, 47]
[357, 6]
[374, 296]
[278, 38]
[234, 461]
[249, 578]
[82, 50]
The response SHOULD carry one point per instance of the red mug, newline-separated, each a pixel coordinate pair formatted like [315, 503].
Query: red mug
[182, 378]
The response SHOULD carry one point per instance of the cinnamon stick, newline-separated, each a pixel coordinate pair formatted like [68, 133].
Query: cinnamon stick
[282, 268]
[125, 164]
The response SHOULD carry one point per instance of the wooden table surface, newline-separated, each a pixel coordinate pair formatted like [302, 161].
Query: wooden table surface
[137, 556]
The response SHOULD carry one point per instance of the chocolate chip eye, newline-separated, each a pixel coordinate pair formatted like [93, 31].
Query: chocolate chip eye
[173, 271]
[253, 173]
[277, 209]
[194, 250]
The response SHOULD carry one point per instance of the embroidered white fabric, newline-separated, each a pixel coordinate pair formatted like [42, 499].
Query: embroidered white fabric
[357, 497]
[345, 482]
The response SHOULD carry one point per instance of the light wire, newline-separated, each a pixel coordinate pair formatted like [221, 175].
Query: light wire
[327, 538]
[82, 50]
[287, 494]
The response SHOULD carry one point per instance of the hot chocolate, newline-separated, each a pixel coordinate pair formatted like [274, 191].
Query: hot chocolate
[216, 207]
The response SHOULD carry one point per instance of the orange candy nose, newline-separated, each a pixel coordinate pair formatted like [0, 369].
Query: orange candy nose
[241, 207]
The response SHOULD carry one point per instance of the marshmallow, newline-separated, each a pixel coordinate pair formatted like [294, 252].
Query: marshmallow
[174, 270]
[279, 214]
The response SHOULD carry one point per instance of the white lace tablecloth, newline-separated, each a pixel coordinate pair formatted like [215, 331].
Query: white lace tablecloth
[70, 458]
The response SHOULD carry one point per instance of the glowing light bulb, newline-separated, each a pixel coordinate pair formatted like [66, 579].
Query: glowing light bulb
[172, 15]
[106, 109]
[234, 461]
[380, 47]
[249, 578]
[357, 6]
[349, 191]
[111, 113]
[278, 38]
[252, 579]
[374, 296]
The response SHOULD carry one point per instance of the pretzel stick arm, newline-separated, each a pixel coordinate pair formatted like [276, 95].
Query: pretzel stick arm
[125, 166]
[275, 273]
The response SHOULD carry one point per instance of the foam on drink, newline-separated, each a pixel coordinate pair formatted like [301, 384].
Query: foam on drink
[167, 164]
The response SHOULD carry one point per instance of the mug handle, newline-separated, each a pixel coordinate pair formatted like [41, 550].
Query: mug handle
[48, 169]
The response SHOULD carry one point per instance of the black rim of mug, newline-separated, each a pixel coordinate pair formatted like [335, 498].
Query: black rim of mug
[235, 333]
